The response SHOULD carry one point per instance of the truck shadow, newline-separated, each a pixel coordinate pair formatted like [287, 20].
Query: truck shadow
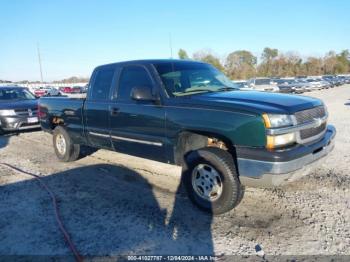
[3, 141]
[108, 211]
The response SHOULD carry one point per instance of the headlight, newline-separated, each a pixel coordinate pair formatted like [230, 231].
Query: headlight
[7, 112]
[274, 120]
[278, 121]
[280, 140]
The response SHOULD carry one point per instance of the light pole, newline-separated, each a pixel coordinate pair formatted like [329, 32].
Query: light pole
[41, 71]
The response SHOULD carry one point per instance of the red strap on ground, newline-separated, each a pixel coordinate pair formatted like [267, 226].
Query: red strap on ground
[66, 236]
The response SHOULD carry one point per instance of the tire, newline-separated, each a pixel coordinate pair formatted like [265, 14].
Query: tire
[220, 163]
[65, 150]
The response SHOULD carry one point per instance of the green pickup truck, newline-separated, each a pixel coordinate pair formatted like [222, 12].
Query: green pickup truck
[189, 114]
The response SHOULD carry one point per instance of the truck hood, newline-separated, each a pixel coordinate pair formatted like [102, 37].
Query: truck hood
[259, 102]
[18, 104]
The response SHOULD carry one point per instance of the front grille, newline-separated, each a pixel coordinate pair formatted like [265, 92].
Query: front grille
[309, 114]
[25, 112]
[310, 132]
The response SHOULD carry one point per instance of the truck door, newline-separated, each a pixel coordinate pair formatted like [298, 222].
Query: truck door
[96, 110]
[137, 127]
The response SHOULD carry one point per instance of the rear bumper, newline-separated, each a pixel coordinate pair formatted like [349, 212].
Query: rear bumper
[262, 168]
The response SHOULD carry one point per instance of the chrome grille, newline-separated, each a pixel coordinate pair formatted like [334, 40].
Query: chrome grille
[310, 132]
[25, 112]
[308, 115]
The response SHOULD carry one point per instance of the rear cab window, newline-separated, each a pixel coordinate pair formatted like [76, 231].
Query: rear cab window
[102, 82]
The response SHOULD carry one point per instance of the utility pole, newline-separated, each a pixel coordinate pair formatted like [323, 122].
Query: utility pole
[41, 71]
[170, 46]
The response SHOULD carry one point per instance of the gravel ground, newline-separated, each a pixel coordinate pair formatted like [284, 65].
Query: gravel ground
[113, 204]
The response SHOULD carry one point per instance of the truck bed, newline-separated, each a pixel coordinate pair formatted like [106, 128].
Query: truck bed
[70, 110]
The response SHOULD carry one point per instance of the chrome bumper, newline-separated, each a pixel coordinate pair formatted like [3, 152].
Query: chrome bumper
[258, 173]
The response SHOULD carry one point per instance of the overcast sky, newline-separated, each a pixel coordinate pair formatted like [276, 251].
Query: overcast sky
[75, 36]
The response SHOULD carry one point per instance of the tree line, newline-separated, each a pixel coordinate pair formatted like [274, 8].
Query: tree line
[242, 64]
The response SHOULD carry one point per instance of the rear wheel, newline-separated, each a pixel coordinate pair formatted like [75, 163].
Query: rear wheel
[211, 180]
[65, 150]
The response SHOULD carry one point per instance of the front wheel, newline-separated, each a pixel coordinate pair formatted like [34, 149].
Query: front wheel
[211, 180]
[65, 150]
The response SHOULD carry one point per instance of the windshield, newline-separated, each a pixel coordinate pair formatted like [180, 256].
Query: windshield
[8, 94]
[288, 81]
[185, 78]
[265, 81]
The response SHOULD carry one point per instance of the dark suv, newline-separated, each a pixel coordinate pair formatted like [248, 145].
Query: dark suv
[18, 109]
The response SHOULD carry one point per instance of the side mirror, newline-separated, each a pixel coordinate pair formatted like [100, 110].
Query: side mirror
[142, 93]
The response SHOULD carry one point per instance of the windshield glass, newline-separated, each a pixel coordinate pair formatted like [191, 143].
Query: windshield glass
[284, 81]
[264, 81]
[8, 94]
[185, 78]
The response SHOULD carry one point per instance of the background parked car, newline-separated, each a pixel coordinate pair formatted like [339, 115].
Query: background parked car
[242, 85]
[301, 85]
[46, 91]
[263, 84]
[332, 79]
[285, 85]
[66, 89]
[77, 89]
[39, 92]
[315, 84]
[85, 88]
[18, 109]
[52, 91]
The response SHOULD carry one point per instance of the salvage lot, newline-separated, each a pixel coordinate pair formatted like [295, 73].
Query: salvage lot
[114, 204]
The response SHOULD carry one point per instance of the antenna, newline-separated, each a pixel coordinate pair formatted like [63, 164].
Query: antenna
[41, 71]
[170, 46]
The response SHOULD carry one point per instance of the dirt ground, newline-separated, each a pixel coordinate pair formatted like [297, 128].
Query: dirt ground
[114, 204]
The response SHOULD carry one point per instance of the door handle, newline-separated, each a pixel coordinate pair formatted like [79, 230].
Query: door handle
[114, 111]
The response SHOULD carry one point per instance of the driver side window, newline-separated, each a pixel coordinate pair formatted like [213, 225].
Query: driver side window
[132, 76]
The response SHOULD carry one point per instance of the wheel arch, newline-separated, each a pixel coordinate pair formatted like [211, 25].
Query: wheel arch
[190, 140]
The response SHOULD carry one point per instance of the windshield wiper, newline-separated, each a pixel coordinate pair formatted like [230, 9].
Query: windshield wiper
[195, 91]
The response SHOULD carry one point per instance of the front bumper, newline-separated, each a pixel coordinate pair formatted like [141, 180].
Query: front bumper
[17, 123]
[263, 168]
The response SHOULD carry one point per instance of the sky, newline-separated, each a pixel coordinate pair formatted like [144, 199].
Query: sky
[76, 36]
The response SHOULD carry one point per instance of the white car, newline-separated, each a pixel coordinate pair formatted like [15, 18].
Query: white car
[53, 91]
[47, 91]
[263, 84]
[242, 85]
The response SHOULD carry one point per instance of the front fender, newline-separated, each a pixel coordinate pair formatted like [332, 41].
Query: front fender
[239, 128]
